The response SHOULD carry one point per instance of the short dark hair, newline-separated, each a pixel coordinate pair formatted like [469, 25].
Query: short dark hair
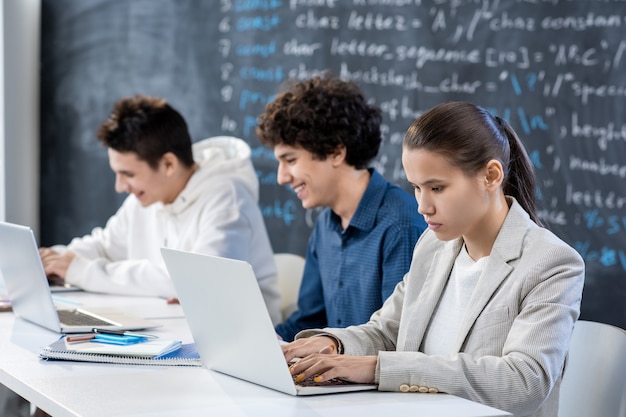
[149, 127]
[321, 115]
[468, 136]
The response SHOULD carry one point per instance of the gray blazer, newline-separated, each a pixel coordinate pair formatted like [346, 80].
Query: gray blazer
[515, 334]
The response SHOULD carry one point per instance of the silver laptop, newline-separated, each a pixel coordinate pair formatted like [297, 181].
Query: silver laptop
[227, 316]
[27, 287]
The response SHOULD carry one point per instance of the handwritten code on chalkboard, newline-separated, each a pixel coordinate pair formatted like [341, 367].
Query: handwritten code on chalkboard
[555, 69]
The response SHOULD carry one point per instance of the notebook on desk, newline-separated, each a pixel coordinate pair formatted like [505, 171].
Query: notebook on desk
[31, 299]
[227, 317]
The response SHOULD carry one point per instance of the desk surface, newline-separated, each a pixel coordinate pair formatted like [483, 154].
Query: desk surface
[94, 390]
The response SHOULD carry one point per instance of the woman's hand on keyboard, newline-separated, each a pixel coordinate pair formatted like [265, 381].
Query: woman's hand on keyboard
[319, 359]
[325, 367]
[307, 346]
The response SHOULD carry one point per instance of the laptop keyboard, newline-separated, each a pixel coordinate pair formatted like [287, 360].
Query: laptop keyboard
[76, 318]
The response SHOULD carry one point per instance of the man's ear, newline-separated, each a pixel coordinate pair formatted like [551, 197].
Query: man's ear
[169, 162]
[494, 174]
[338, 156]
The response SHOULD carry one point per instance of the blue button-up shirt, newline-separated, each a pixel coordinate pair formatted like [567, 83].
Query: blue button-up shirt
[350, 273]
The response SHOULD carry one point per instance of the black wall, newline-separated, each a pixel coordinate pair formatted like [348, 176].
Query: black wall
[554, 68]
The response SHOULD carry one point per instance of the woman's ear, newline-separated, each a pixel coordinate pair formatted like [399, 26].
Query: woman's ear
[494, 174]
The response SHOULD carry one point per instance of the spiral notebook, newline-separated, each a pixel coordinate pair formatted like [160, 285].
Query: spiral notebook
[154, 352]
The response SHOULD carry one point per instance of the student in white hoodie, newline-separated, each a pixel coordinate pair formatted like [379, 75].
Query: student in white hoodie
[200, 198]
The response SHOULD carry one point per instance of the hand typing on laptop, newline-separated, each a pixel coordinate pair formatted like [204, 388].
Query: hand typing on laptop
[55, 263]
[320, 361]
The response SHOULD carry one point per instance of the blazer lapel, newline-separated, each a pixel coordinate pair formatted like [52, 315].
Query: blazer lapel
[507, 247]
[420, 311]
[495, 272]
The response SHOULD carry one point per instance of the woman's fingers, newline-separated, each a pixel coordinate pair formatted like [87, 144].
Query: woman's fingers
[324, 367]
[305, 347]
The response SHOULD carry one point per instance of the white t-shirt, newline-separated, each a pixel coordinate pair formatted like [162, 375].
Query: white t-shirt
[443, 329]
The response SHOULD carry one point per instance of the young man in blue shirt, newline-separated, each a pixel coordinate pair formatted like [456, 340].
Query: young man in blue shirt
[324, 135]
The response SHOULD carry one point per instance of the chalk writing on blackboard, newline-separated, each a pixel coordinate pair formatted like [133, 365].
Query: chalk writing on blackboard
[553, 69]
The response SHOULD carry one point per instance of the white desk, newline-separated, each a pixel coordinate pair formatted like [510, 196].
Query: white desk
[95, 390]
[147, 307]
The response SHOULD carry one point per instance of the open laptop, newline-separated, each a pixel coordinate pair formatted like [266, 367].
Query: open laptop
[227, 317]
[27, 287]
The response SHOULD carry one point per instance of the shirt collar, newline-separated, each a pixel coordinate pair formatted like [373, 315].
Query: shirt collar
[364, 217]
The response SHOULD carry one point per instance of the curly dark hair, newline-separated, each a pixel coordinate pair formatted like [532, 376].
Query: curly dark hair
[321, 115]
[149, 127]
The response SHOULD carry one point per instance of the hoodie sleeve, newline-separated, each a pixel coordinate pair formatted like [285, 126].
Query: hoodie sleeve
[103, 264]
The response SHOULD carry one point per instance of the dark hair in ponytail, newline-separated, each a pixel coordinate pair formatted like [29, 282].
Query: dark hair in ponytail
[469, 137]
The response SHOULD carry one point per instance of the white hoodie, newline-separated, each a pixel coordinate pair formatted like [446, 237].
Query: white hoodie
[217, 213]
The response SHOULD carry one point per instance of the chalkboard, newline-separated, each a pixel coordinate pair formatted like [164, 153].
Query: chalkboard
[555, 69]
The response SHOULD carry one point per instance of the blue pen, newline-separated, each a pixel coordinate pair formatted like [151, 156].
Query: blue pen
[117, 340]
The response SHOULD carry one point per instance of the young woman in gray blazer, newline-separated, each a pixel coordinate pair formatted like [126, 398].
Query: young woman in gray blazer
[488, 306]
